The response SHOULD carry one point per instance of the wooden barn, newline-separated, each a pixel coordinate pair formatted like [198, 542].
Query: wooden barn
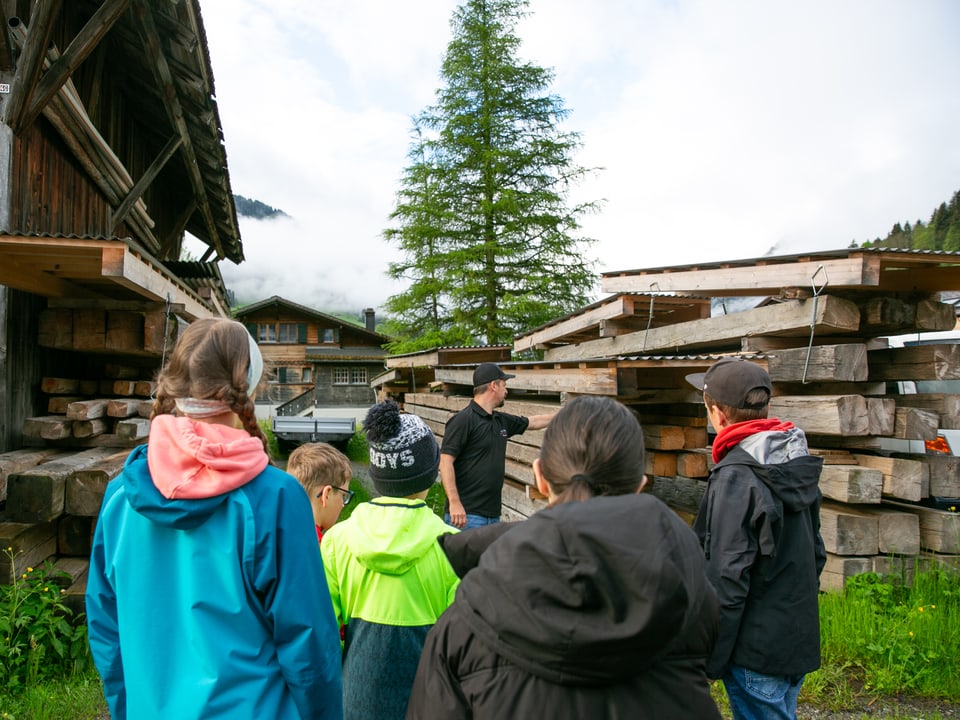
[111, 150]
[829, 329]
[324, 360]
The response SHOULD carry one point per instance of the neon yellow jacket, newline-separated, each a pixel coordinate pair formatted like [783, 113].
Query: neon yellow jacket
[389, 581]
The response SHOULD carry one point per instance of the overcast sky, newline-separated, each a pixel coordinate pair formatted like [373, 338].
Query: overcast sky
[724, 129]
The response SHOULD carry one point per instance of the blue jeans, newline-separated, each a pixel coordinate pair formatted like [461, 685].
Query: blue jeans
[754, 696]
[473, 521]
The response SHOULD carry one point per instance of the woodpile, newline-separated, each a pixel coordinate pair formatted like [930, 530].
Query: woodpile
[52, 488]
[821, 325]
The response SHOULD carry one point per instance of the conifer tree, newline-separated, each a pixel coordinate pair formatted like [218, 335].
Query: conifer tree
[491, 244]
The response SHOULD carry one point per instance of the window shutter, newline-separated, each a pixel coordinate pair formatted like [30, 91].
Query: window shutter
[252, 329]
[302, 333]
[282, 375]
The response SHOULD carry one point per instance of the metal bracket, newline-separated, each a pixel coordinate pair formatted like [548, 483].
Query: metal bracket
[813, 315]
[653, 285]
[166, 338]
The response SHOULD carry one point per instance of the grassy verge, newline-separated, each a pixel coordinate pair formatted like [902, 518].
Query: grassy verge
[78, 697]
[891, 637]
[889, 650]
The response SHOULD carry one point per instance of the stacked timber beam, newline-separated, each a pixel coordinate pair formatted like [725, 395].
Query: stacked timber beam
[414, 372]
[822, 325]
[51, 489]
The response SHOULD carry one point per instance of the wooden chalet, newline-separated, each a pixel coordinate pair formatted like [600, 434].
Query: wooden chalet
[111, 150]
[309, 352]
[822, 327]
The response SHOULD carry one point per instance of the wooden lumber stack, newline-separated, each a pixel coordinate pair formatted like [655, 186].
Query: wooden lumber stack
[78, 416]
[821, 326]
[52, 488]
[94, 328]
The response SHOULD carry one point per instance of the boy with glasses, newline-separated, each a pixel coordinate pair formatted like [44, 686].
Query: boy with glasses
[325, 474]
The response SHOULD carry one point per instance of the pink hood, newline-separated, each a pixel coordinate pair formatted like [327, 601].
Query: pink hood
[191, 459]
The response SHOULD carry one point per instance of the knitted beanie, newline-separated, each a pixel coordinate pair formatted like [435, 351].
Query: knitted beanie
[404, 455]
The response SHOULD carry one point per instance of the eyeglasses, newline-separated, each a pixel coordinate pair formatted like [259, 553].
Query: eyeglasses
[347, 494]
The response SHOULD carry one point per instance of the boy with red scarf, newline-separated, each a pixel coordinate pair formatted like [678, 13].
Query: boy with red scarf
[759, 526]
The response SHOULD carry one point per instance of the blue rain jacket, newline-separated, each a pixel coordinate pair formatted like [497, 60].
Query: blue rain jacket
[210, 607]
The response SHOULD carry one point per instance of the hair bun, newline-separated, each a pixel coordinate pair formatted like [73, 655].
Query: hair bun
[382, 422]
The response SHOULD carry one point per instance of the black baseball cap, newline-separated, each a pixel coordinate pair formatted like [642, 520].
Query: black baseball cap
[488, 372]
[728, 381]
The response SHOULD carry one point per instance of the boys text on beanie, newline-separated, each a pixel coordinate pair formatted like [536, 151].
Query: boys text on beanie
[404, 455]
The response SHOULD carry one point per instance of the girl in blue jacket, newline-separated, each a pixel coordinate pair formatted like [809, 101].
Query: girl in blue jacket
[206, 595]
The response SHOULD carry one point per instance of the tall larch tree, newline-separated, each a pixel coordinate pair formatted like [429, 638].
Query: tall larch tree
[484, 218]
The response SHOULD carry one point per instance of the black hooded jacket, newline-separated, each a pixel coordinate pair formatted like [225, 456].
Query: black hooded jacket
[595, 609]
[759, 525]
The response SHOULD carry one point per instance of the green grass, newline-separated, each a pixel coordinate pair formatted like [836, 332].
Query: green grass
[78, 697]
[357, 448]
[895, 637]
[436, 499]
[273, 447]
[883, 641]
[360, 496]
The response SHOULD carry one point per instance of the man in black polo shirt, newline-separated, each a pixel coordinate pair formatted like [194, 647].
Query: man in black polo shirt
[474, 450]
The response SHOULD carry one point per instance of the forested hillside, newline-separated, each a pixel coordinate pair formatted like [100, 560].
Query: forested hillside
[256, 209]
[941, 232]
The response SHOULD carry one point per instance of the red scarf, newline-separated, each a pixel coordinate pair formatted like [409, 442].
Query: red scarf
[730, 436]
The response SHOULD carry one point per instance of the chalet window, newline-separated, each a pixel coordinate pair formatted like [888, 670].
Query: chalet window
[293, 375]
[288, 333]
[349, 376]
[266, 332]
[330, 335]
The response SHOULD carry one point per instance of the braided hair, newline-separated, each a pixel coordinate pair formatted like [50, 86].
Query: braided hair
[210, 362]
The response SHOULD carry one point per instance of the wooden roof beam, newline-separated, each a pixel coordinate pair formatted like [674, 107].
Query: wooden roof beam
[173, 144]
[173, 242]
[6, 49]
[588, 381]
[30, 63]
[34, 280]
[85, 42]
[834, 316]
[131, 271]
[618, 307]
[164, 78]
[760, 279]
